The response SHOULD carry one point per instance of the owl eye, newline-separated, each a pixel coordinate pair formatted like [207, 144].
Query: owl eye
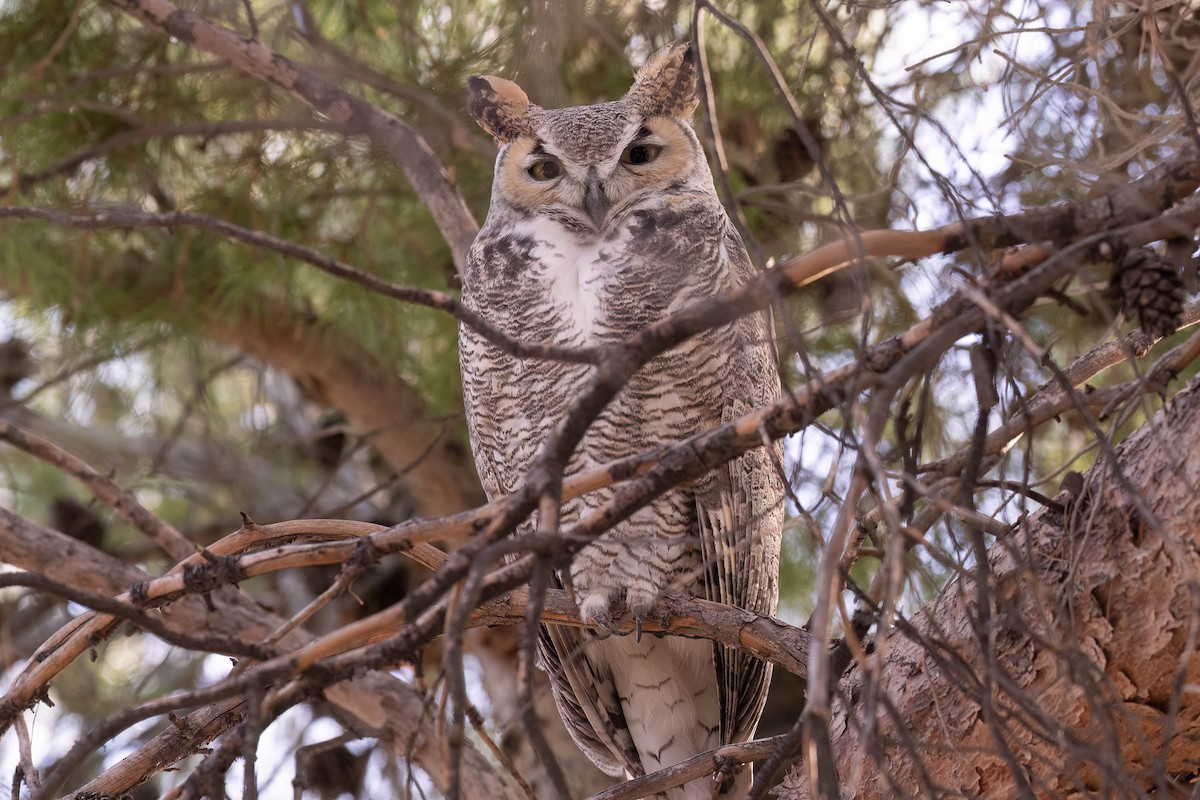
[640, 153]
[545, 170]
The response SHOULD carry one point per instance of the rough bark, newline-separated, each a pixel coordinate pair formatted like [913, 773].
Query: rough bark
[1088, 653]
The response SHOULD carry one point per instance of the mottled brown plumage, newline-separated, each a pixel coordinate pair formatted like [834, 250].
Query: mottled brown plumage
[603, 220]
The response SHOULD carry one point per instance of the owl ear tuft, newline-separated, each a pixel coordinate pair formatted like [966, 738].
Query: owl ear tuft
[665, 86]
[500, 107]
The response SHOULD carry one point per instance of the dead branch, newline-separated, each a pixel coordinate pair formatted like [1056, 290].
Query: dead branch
[373, 703]
[698, 766]
[220, 566]
[123, 611]
[106, 490]
[1052, 399]
[766, 637]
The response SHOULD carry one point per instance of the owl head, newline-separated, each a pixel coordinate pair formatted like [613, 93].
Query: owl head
[588, 166]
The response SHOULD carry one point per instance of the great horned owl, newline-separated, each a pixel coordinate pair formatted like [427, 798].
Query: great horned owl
[603, 220]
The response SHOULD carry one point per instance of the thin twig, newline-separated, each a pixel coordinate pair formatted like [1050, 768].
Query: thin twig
[429, 298]
[399, 140]
[174, 543]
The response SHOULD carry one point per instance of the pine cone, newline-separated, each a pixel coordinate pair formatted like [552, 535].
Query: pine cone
[1149, 286]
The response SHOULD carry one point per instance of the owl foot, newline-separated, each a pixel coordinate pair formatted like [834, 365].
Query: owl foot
[722, 779]
[596, 609]
[602, 610]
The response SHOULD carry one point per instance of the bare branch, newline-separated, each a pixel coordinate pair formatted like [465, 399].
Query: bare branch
[174, 543]
[1039, 602]
[377, 701]
[131, 613]
[695, 767]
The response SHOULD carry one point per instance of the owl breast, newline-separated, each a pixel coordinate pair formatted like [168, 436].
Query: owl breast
[542, 281]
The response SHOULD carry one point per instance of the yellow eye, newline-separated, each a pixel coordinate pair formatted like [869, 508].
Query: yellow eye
[640, 153]
[545, 170]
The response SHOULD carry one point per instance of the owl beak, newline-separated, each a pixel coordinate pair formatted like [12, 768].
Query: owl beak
[595, 201]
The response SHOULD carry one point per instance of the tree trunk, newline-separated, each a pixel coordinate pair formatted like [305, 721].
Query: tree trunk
[1083, 681]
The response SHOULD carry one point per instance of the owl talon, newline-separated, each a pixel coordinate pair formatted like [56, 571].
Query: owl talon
[724, 776]
[637, 629]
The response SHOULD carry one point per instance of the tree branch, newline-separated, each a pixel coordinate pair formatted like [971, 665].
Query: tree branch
[698, 766]
[173, 543]
[429, 298]
[397, 139]
[376, 702]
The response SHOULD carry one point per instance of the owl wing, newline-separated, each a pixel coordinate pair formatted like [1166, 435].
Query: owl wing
[482, 371]
[739, 508]
[739, 517]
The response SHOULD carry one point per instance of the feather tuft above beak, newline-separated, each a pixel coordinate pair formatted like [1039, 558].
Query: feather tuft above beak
[595, 201]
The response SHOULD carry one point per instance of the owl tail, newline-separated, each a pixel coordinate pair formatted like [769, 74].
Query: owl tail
[669, 697]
